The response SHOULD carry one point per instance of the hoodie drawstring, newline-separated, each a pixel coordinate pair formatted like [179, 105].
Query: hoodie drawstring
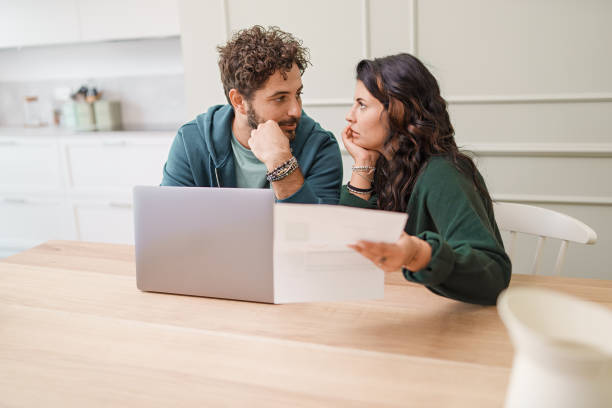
[217, 177]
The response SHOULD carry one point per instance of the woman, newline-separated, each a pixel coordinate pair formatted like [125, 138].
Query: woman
[406, 159]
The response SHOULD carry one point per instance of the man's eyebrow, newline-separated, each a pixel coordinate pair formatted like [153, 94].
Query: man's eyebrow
[278, 93]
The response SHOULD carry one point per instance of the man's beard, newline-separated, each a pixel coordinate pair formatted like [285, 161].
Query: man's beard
[254, 119]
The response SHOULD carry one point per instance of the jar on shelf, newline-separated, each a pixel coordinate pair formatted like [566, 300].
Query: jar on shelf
[32, 111]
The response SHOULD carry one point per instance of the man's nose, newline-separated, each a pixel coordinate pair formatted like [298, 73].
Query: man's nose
[295, 109]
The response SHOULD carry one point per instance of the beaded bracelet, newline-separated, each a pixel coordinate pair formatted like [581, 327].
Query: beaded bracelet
[361, 169]
[357, 190]
[283, 170]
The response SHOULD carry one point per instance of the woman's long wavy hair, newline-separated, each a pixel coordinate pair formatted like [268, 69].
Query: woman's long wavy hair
[419, 127]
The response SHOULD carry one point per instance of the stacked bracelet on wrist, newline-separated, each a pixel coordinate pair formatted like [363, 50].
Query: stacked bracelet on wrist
[361, 171]
[356, 190]
[283, 170]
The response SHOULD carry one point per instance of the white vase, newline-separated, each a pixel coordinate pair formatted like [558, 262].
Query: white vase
[563, 350]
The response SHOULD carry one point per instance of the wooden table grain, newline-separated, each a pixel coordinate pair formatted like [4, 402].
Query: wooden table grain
[75, 331]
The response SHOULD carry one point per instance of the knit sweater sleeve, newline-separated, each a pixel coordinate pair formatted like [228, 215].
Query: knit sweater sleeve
[468, 260]
[351, 200]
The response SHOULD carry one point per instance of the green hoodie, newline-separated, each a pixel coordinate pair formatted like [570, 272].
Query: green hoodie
[201, 156]
[468, 261]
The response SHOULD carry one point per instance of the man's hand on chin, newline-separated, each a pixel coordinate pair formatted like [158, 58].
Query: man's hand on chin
[269, 144]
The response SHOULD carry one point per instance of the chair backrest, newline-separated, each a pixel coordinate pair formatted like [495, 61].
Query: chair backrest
[544, 223]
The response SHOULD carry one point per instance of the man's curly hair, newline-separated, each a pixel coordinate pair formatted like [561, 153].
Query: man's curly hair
[254, 54]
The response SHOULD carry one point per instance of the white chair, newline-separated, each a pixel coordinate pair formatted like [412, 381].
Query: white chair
[544, 223]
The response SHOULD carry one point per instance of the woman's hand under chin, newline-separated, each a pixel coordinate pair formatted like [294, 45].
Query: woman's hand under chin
[361, 156]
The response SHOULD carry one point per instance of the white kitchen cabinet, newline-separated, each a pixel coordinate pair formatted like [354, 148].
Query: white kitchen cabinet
[28, 219]
[31, 164]
[38, 22]
[120, 19]
[112, 163]
[43, 22]
[105, 221]
[74, 186]
[101, 171]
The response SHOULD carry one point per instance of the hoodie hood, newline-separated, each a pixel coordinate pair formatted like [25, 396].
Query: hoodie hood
[215, 127]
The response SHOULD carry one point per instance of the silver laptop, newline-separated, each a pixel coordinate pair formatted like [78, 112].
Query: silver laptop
[213, 242]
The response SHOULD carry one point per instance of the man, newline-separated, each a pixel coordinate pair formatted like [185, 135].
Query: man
[262, 138]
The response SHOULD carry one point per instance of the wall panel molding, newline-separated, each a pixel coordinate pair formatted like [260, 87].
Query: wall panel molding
[226, 20]
[552, 199]
[327, 102]
[493, 99]
[365, 29]
[529, 98]
[414, 21]
[540, 149]
[583, 150]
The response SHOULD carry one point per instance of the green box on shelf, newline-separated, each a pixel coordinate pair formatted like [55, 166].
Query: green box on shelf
[69, 117]
[85, 117]
[108, 115]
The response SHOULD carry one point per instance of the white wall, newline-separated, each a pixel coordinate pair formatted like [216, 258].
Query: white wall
[528, 85]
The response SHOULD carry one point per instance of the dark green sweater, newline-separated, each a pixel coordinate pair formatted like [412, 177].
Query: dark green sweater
[445, 209]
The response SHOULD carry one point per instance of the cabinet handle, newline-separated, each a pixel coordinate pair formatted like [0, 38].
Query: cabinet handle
[15, 200]
[119, 205]
[11, 200]
[121, 143]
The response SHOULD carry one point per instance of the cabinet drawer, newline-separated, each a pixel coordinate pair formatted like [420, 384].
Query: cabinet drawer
[29, 166]
[26, 219]
[128, 19]
[115, 164]
[105, 222]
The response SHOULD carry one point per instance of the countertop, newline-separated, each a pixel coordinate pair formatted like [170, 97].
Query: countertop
[58, 132]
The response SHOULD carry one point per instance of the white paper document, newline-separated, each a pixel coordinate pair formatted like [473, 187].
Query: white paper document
[312, 261]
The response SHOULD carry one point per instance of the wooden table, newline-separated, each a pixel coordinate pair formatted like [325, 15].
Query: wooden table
[75, 331]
